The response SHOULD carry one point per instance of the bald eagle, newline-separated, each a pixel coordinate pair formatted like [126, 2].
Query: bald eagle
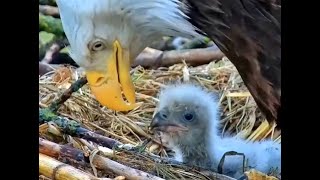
[106, 35]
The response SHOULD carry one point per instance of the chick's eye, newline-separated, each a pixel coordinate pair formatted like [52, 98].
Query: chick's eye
[97, 46]
[163, 115]
[188, 116]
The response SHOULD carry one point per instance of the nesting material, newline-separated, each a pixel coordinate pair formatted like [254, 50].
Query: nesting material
[239, 115]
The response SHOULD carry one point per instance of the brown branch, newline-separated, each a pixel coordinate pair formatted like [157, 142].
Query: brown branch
[57, 170]
[73, 128]
[152, 58]
[67, 94]
[148, 58]
[45, 68]
[49, 10]
[188, 168]
[51, 52]
[56, 150]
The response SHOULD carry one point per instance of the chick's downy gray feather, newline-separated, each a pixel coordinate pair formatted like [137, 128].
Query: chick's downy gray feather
[188, 121]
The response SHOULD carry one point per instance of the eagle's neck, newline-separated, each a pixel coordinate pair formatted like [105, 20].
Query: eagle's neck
[157, 18]
[149, 21]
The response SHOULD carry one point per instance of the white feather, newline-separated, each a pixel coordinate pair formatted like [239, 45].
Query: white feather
[136, 24]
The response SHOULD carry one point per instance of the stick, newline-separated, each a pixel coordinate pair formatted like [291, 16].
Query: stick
[165, 160]
[56, 150]
[49, 10]
[48, 2]
[73, 128]
[45, 68]
[51, 52]
[57, 170]
[156, 59]
[67, 94]
[152, 58]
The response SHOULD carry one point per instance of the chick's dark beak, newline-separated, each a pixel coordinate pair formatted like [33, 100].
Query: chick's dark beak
[163, 124]
[156, 122]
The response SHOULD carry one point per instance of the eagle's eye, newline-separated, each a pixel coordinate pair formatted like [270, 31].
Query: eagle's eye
[97, 46]
[188, 116]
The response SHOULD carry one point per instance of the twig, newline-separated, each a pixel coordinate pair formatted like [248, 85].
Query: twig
[48, 2]
[56, 150]
[49, 10]
[67, 94]
[187, 168]
[73, 128]
[152, 58]
[45, 68]
[51, 52]
[135, 151]
[157, 59]
[57, 170]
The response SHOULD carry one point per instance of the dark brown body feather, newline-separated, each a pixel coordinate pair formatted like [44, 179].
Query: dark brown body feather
[248, 32]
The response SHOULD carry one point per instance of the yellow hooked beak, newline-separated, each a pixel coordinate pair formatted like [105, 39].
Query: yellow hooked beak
[107, 87]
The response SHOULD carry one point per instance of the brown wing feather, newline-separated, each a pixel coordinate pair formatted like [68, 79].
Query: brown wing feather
[249, 34]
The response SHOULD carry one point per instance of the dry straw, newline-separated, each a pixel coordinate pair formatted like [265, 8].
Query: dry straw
[239, 115]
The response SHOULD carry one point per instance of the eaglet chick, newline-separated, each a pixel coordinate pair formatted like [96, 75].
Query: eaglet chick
[188, 122]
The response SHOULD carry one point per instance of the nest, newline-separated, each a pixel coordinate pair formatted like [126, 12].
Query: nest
[239, 116]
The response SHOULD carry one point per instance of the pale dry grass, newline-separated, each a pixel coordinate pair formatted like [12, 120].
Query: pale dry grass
[240, 115]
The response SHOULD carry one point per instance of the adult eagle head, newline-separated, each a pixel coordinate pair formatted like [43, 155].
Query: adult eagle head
[106, 35]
